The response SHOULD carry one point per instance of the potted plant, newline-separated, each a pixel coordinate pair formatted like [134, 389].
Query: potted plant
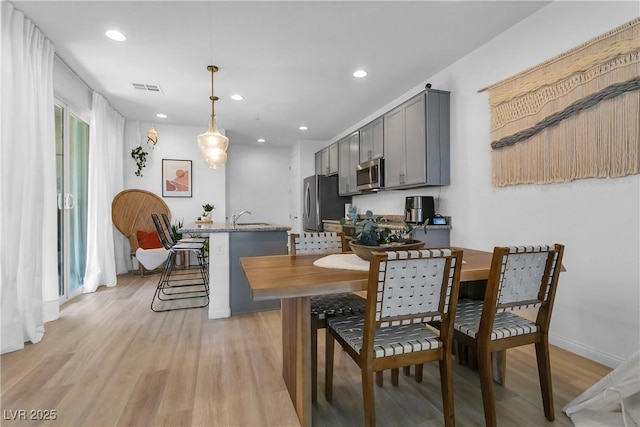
[174, 230]
[207, 208]
[370, 237]
[140, 156]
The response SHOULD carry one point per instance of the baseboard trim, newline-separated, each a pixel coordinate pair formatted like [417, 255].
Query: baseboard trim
[585, 351]
[219, 314]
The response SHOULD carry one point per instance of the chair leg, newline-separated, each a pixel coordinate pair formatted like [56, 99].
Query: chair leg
[314, 360]
[394, 376]
[379, 379]
[406, 370]
[499, 363]
[446, 383]
[544, 373]
[472, 357]
[419, 367]
[459, 352]
[486, 385]
[328, 366]
[369, 398]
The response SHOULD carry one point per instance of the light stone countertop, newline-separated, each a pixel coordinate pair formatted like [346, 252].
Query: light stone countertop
[226, 227]
[395, 222]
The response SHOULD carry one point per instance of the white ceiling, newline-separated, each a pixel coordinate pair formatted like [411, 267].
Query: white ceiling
[292, 61]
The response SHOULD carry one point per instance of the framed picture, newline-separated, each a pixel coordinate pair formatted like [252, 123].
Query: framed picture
[176, 178]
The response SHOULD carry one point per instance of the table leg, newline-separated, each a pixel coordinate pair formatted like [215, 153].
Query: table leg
[296, 355]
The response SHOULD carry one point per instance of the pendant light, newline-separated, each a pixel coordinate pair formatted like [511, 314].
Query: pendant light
[213, 145]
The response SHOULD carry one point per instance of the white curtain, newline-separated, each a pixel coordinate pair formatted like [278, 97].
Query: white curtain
[106, 144]
[28, 258]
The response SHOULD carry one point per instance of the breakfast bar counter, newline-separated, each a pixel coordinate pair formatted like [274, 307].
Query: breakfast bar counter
[229, 288]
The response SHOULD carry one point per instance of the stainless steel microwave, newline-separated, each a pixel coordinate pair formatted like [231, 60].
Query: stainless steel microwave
[370, 175]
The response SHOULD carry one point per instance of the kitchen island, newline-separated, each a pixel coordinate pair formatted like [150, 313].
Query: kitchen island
[230, 291]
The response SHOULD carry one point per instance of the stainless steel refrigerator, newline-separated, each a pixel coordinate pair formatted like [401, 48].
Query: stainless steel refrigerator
[321, 201]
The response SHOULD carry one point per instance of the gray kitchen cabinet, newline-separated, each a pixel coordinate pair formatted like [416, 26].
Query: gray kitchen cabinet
[319, 169]
[333, 158]
[372, 141]
[245, 244]
[416, 141]
[348, 158]
[327, 160]
[434, 238]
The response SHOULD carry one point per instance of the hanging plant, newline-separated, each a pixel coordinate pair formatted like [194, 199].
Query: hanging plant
[140, 156]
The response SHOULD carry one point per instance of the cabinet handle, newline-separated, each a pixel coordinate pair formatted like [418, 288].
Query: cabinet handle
[369, 154]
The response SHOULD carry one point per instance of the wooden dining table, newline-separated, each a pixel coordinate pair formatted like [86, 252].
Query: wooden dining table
[294, 279]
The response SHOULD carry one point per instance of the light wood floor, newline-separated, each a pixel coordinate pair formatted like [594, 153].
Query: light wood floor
[110, 361]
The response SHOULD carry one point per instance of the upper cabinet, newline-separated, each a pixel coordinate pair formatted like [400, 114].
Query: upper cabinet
[348, 155]
[327, 160]
[416, 141]
[371, 141]
[333, 159]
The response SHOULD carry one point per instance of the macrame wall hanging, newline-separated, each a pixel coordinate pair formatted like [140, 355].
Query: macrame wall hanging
[574, 116]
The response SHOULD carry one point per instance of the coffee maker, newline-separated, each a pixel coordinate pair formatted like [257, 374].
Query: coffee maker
[418, 209]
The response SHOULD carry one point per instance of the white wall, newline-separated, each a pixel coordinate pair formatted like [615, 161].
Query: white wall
[175, 142]
[69, 89]
[258, 181]
[254, 177]
[597, 310]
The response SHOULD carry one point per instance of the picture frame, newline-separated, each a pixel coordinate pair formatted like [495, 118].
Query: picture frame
[176, 178]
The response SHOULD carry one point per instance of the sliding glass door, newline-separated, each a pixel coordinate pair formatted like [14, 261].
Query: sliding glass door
[72, 162]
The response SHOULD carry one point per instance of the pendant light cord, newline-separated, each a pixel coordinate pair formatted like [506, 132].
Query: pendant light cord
[212, 96]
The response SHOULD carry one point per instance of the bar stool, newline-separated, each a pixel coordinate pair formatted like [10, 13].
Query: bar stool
[181, 288]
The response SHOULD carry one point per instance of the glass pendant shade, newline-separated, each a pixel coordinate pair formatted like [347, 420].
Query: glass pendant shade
[213, 145]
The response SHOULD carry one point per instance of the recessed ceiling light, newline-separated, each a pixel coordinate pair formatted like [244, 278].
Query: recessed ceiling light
[261, 140]
[237, 97]
[161, 116]
[303, 128]
[359, 73]
[116, 35]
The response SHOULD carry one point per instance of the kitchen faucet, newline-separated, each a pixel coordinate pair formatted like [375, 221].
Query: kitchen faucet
[236, 216]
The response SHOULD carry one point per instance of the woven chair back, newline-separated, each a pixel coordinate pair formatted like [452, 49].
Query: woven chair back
[316, 243]
[161, 232]
[413, 286]
[167, 224]
[526, 275]
[131, 211]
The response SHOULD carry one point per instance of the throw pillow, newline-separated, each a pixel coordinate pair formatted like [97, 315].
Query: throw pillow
[149, 239]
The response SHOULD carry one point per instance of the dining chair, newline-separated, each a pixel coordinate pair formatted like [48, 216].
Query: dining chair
[181, 284]
[521, 277]
[406, 290]
[323, 306]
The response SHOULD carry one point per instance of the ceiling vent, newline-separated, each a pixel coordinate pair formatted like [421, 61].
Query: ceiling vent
[147, 88]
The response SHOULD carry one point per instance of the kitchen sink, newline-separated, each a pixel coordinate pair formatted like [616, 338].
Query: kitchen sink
[254, 224]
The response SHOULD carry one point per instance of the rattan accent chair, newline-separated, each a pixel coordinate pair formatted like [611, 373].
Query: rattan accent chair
[323, 306]
[521, 277]
[181, 287]
[406, 290]
[131, 211]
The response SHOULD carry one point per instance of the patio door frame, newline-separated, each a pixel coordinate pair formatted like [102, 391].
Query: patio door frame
[67, 202]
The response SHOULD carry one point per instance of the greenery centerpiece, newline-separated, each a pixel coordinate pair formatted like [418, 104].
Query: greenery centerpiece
[371, 237]
[207, 208]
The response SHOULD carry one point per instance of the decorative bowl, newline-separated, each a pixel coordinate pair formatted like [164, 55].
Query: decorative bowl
[365, 252]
